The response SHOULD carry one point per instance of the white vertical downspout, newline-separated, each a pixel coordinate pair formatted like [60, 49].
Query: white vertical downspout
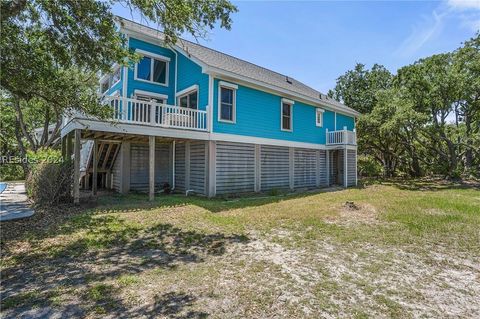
[210, 103]
[175, 84]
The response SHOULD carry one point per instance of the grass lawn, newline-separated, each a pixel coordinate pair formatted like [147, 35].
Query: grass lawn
[405, 250]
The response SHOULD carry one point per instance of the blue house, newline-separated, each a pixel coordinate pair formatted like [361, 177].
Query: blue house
[208, 123]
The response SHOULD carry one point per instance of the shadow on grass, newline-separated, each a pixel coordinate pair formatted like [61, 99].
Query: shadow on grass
[107, 248]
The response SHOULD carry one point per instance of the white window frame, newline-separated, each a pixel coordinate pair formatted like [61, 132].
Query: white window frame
[319, 111]
[291, 103]
[115, 69]
[234, 88]
[186, 92]
[153, 57]
[153, 95]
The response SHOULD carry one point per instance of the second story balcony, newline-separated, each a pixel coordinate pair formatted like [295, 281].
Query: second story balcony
[140, 112]
[341, 137]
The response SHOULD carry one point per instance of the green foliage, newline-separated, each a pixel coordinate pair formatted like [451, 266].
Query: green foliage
[11, 172]
[50, 183]
[406, 123]
[48, 155]
[368, 166]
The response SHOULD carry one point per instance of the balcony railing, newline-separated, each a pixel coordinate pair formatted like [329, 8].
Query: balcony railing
[342, 137]
[128, 110]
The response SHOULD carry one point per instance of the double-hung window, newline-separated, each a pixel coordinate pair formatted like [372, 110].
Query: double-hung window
[152, 68]
[227, 101]
[319, 117]
[189, 100]
[287, 115]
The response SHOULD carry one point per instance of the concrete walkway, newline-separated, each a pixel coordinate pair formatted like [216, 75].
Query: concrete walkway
[14, 203]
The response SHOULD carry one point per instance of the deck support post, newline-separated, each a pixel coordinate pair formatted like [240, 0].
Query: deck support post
[76, 168]
[95, 167]
[187, 166]
[125, 167]
[151, 170]
[291, 167]
[327, 164]
[69, 147]
[258, 167]
[211, 160]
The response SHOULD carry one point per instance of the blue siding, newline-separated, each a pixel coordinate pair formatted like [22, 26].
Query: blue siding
[189, 73]
[344, 120]
[151, 87]
[258, 114]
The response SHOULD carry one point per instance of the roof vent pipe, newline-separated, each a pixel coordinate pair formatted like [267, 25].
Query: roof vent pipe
[288, 80]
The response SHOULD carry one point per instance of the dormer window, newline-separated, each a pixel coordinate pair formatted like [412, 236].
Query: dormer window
[152, 68]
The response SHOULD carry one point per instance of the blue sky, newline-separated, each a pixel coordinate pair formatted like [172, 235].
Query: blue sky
[316, 41]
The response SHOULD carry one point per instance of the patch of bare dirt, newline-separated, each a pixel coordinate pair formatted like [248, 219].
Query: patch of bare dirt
[355, 213]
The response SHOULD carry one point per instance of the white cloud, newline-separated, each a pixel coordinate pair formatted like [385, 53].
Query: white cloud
[426, 30]
[464, 4]
[467, 12]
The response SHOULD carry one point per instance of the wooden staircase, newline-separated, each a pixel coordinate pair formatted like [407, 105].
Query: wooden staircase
[107, 153]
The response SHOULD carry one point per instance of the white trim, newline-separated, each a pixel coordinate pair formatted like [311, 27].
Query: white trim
[210, 103]
[263, 141]
[335, 127]
[287, 101]
[115, 93]
[144, 33]
[152, 55]
[319, 110]
[228, 85]
[187, 90]
[137, 129]
[284, 101]
[276, 90]
[125, 74]
[152, 94]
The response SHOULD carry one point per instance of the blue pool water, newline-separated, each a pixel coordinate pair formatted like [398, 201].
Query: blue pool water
[3, 186]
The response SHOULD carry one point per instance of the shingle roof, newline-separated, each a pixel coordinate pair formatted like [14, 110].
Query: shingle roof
[225, 62]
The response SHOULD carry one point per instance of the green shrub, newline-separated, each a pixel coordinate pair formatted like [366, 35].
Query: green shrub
[50, 183]
[11, 172]
[368, 167]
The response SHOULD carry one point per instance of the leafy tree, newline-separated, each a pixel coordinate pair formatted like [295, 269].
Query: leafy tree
[52, 51]
[466, 64]
[357, 88]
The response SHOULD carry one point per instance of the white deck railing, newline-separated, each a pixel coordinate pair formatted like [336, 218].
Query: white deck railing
[342, 137]
[128, 110]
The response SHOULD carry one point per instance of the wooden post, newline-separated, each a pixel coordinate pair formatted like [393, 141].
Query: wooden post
[125, 167]
[212, 157]
[76, 168]
[291, 166]
[151, 171]
[69, 146]
[187, 166]
[327, 161]
[95, 167]
[257, 185]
